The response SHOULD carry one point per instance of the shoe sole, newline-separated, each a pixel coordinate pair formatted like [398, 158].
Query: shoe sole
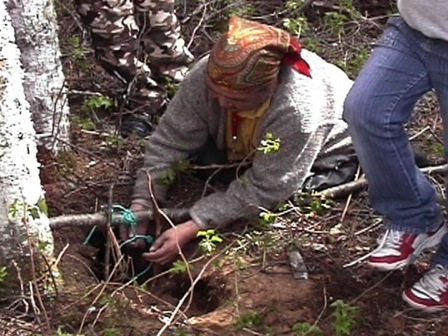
[428, 243]
[413, 304]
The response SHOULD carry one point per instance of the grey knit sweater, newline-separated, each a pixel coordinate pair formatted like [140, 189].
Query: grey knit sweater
[430, 17]
[305, 114]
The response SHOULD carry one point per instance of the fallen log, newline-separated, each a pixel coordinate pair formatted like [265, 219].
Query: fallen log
[100, 218]
[361, 184]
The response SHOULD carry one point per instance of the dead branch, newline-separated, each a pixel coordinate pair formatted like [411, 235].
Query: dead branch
[100, 218]
[361, 184]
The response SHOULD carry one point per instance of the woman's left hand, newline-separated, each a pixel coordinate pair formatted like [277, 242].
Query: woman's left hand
[166, 248]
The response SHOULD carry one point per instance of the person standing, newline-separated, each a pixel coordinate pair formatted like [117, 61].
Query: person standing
[410, 59]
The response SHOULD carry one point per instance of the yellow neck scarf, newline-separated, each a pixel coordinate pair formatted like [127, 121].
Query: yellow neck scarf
[242, 130]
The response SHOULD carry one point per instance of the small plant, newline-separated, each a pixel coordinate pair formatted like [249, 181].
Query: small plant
[293, 5]
[236, 8]
[35, 211]
[78, 53]
[350, 8]
[209, 240]
[305, 328]
[251, 319]
[296, 26]
[78, 50]
[438, 150]
[112, 332]
[83, 122]
[18, 208]
[181, 332]
[66, 162]
[269, 144]
[313, 205]
[169, 177]
[336, 23]
[171, 87]
[345, 318]
[3, 274]
[99, 102]
[353, 66]
[59, 332]
[115, 141]
[268, 217]
[179, 266]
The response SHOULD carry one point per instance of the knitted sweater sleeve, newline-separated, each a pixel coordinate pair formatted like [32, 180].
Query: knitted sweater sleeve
[182, 130]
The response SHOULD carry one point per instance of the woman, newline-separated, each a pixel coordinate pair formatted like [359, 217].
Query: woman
[256, 84]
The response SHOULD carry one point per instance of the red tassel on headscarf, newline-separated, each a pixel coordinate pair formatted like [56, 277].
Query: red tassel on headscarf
[295, 60]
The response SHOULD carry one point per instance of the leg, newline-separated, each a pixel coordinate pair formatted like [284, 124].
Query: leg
[161, 38]
[430, 293]
[376, 109]
[438, 67]
[114, 37]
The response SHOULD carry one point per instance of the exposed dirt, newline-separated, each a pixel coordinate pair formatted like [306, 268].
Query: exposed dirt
[246, 287]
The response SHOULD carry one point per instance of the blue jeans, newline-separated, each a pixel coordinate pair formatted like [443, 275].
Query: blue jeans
[404, 65]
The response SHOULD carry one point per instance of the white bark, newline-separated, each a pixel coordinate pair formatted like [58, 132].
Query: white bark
[35, 27]
[19, 169]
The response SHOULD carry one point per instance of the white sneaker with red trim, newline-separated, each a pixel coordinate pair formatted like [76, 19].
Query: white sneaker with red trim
[430, 293]
[398, 249]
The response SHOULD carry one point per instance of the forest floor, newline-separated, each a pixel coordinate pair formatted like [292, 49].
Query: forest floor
[245, 286]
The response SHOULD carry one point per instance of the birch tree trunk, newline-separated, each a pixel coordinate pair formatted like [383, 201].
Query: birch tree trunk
[24, 227]
[35, 28]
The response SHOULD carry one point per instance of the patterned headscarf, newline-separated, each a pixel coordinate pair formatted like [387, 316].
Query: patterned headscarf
[248, 56]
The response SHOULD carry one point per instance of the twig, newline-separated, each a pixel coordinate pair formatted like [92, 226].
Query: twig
[370, 288]
[187, 265]
[355, 186]
[85, 93]
[108, 232]
[98, 296]
[375, 224]
[220, 166]
[157, 220]
[155, 208]
[419, 133]
[323, 309]
[347, 203]
[197, 26]
[33, 272]
[100, 219]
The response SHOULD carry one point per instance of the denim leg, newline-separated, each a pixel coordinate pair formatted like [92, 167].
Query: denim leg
[437, 64]
[377, 107]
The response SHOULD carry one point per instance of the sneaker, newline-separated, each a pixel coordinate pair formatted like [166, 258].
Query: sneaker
[430, 293]
[398, 249]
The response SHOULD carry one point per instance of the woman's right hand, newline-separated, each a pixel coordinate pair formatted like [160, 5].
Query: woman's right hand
[127, 232]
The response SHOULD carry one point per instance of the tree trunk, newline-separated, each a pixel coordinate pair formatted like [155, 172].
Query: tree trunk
[35, 29]
[24, 226]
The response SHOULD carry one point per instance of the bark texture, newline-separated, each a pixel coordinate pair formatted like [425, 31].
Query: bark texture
[20, 185]
[35, 29]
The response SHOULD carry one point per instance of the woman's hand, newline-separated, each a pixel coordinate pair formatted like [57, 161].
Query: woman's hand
[166, 248]
[142, 228]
